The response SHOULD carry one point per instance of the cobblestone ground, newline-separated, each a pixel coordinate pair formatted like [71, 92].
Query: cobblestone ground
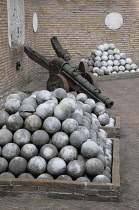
[125, 94]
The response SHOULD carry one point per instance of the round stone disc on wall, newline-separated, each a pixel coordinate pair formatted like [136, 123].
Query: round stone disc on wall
[114, 20]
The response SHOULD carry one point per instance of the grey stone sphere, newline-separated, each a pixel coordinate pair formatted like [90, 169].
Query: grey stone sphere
[36, 166]
[44, 110]
[60, 139]
[104, 119]
[89, 149]
[56, 166]
[33, 123]
[59, 93]
[17, 166]
[10, 151]
[7, 175]
[42, 96]
[52, 125]
[78, 117]
[3, 117]
[45, 176]
[93, 135]
[69, 125]
[14, 122]
[101, 178]
[48, 151]
[28, 151]
[102, 134]
[62, 111]
[39, 138]
[83, 179]
[21, 137]
[25, 176]
[87, 108]
[77, 138]
[102, 158]
[14, 96]
[99, 109]
[5, 136]
[12, 106]
[70, 102]
[107, 174]
[75, 169]
[94, 167]
[68, 153]
[3, 165]
[22, 95]
[84, 130]
[64, 177]
[90, 102]
[31, 101]
[26, 110]
[81, 97]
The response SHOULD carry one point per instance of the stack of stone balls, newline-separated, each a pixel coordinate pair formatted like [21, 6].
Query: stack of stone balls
[107, 59]
[55, 135]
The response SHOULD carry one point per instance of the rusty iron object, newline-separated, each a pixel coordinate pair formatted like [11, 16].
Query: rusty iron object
[57, 81]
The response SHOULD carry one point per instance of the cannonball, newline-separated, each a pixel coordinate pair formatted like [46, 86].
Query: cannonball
[117, 57]
[132, 71]
[93, 135]
[81, 97]
[106, 46]
[114, 72]
[69, 125]
[25, 176]
[104, 58]
[83, 179]
[100, 72]
[116, 51]
[53, 102]
[62, 111]
[52, 125]
[21, 137]
[128, 60]
[101, 178]
[75, 169]
[99, 109]
[31, 101]
[48, 151]
[107, 71]
[36, 166]
[84, 130]
[100, 47]
[14, 96]
[133, 66]
[42, 96]
[71, 95]
[102, 158]
[115, 68]
[5, 136]
[94, 167]
[110, 63]
[60, 139]
[26, 110]
[95, 69]
[45, 176]
[64, 177]
[87, 108]
[33, 123]
[21, 163]
[28, 151]
[102, 135]
[97, 58]
[105, 53]
[111, 46]
[44, 110]
[39, 138]
[77, 138]
[78, 117]
[10, 151]
[116, 62]
[107, 174]
[3, 165]
[14, 122]
[128, 67]
[98, 52]
[111, 57]
[110, 68]
[104, 68]
[104, 119]
[137, 70]
[56, 166]
[121, 68]
[22, 95]
[123, 55]
[69, 102]
[12, 106]
[110, 52]
[68, 153]
[104, 63]
[59, 93]
[95, 124]
[95, 74]
[89, 149]
[3, 117]
[7, 175]
[97, 64]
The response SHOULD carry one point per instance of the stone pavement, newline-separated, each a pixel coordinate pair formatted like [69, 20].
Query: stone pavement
[125, 94]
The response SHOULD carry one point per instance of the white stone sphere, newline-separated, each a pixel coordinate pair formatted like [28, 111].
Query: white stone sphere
[71, 95]
[64, 177]
[100, 72]
[100, 47]
[33, 123]
[99, 109]
[26, 110]
[133, 66]
[101, 178]
[107, 71]
[21, 163]
[51, 125]
[116, 63]
[48, 151]
[106, 46]
[21, 137]
[102, 158]
[89, 149]
[60, 93]
[97, 58]
[22, 95]
[14, 96]
[107, 174]
[111, 46]
[83, 179]
[42, 96]
[44, 110]
[56, 166]
[3, 117]
[36, 166]
[95, 69]
[102, 135]
[110, 52]
[77, 138]
[39, 138]
[31, 101]
[81, 97]
[114, 72]
[5, 136]
[53, 102]
[105, 53]
[25, 176]
[104, 119]
[128, 60]
[7, 175]
[62, 111]
[14, 122]
[95, 124]
[45, 176]
[128, 67]
[75, 169]
[95, 74]
[98, 52]
[122, 62]
[110, 63]
[68, 153]
[69, 102]
[126, 71]
[117, 57]
[121, 68]
[28, 151]
[78, 117]
[132, 71]
[69, 125]
[10, 151]
[104, 63]
[85, 130]
[3, 165]
[12, 106]
[87, 108]
[111, 57]
[97, 64]
[123, 55]
[93, 135]
[115, 68]
[94, 167]
[110, 68]
[116, 51]
[60, 139]
[104, 68]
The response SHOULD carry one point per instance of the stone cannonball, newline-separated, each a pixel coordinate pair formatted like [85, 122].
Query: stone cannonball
[89, 149]
[99, 109]
[60, 93]
[128, 60]
[94, 167]
[5, 136]
[97, 58]
[12, 106]
[68, 153]
[100, 47]
[64, 177]
[87, 108]
[102, 158]
[3, 165]
[102, 135]
[7, 175]
[78, 117]
[48, 151]
[42, 96]
[90, 102]
[56, 166]
[25, 176]
[77, 138]
[52, 102]
[81, 97]
[70, 102]
[84, 130]
[45, 176]
[69, 125]
[44, 110]
[21, 137]
[106, 46]
[83, 179]
[52, 125]
[75, 169]
[21, 163]
[3, 117]
[28, 151]
[33, 123]
[36, 166]
[62, 111]
[31, 101]
[98, 53]
[14, 122]
[101, 178]
[60, 139]
[22, 95]
[26, 110]
[39, 138]
[14, 96]
[10, 151]
[104, 119]
[107, 174]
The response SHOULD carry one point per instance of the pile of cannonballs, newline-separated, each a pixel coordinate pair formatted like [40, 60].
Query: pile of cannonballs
[107, 59]
[55, 135]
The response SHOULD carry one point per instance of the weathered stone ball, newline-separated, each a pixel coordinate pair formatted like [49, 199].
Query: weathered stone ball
[45, 176]
[31, 101]
[83, 179]
[22, 95]
[10, 151]
[7, 175]
[87, 108]
[12, 106]
[25, 176]
[60, 93]
[14, 96]
[36, 166]
[17, 166]
[5, 136]
[33, 123]
[3, 117]
[3, 165]
[89, 149]
[75, 169]
[26, 110]
[21, 137]
[28, 151]
[44, 110]
[84, 130]
[94, 167]
[56, 166]
[107, 174]
[90, 102]
[70, 102]
[102, 158]
[81, 97]
[52, 125]
[14, 122]
[48, 151]
[60, 139]
[77, 138]
[39, 138]
[78, 117]
[69, 125]
[104, 119]
[99, 109]
[42, 96]
[68, 153]
[64, 177]
[102, 135]
[93, 135]
[101, 178]
[62, 111]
